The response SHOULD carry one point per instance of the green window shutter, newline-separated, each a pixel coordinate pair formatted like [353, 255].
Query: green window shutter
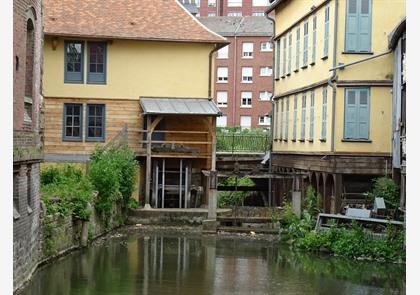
[275, 114]
[363, 113]
[289, 57]
[305, 43]
[284, 56]
[286, 130]
[324, 113]
[278, 48]
[282, 118]
[295, 117]
[297, 47]
[352, 25]
[303, 118]
[350, 115]
[312, 114]
[326, 30]
[314, 39]
[365, 22]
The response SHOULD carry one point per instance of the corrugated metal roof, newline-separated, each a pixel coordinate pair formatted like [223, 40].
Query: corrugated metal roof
[179, 106]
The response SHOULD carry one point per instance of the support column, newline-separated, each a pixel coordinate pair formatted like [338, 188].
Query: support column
[338, 191]
[213, 176]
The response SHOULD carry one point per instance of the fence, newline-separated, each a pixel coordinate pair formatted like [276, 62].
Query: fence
[239, 142]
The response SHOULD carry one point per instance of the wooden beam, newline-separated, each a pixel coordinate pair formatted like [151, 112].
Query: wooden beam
[148, 161]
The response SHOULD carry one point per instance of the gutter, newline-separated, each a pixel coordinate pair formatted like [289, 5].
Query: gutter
[216, 47]
[343, 66]
[270, 168]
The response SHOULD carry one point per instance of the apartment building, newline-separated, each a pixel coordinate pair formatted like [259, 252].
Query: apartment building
[226, 7]
[243, 70]
[333, 100]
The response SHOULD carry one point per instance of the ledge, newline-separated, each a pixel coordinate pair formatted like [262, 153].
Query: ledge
[302, 140]
[312, 63]
[296, 70]
[323, 140]
[285, 140]
[355, 52]
[288, 74]
[356, 140]
[310, 140]
[324, 57]
[304, 67]
[294, 140]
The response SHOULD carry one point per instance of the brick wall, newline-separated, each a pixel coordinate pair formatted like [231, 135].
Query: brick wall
[234, 87]
[222, 8]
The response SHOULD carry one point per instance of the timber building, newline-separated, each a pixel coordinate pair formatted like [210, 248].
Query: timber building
[332, 96]
[143, 73]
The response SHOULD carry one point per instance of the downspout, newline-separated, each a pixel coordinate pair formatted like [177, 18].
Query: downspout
[333, 78]
[270, 167]
[217, 47]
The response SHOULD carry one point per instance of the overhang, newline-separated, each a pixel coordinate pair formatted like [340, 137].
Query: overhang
[179, 106]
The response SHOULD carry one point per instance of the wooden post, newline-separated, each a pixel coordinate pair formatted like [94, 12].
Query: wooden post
[157, 184]
[212, 203]
[163, 183]
[186, 186]
[148, 162]
[180, 183]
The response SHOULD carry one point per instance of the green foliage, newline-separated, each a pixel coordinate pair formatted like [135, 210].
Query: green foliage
[66, 191]
[234, 198]
[112, 173]
[386, 188]
[234, 139]
[133, 203]
[312, 202]
[48, 242]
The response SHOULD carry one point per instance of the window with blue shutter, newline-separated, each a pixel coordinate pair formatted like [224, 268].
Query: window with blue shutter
[326, 30]
[73, 62]
[305, 43]
[289, 57]
[324, 114]
[313, 39]
[96, 63]
[278, 48]
[295, 118]
[358, 26]
[72, 121]
[297, 48]
[95, 122]
[286, 130]
[312, 116]
[356, 116]
[283, 73]
[282, 118]
[303, 118]
[276, 119]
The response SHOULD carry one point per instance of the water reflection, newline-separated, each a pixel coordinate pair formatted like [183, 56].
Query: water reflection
[155, 264]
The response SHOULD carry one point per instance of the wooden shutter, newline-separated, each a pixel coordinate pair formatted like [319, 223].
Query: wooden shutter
[278, 58]
[295, 117]
[284, 56]
[326, 30]
[314, 39]
[363, 113]
[364, 25]
[276, 119]
[289, 66]
[352, 25]
[350, 124]
[297, 47]
[286, 131]
[305, 43]
[282, 118]
[312, 114]
[303, 117]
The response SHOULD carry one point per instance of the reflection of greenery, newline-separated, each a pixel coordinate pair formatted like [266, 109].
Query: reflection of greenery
[382, 275]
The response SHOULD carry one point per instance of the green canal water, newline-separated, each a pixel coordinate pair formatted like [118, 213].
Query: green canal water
[191, 265]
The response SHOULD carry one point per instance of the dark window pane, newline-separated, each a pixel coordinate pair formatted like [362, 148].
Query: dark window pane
[70, 67]
[365, 6]
[69, 110]
[77, 110]
[76, 131]
[91, 121]
[98, 121]
[98, 132]
[99, 110]
[77, 67]
[352, 6]
[363, 97]
[76, 121]
[91, 132]
[99, 68]
[92, 68]
[68, 121]
[68, 131]
[351, 97]
[100, 59]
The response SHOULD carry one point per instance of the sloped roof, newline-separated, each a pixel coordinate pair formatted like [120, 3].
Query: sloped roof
[239, 25]
[396, 34]
[179, 106]
[164, 20]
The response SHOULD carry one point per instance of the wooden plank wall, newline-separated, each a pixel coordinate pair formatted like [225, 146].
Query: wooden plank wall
[118, 112]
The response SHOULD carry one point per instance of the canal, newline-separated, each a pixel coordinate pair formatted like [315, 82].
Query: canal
[195, 264]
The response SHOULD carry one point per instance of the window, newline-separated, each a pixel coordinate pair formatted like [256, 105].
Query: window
[259, 2]
[313, 40]
[72, 121]
[245, 122]
[282, 118]
[236, 13]
[95, 122]
[247, 49]
[289, 56]
[29, 197]
[264, 120]
[324, 114]
[297, 49]
[286, 129]
[266, 71]
[266, 46]
[303, 118]
[222, 75]
[312, 116]
[295, 118]
[73, 62]
[222, 98]
[221, 121]
[212, 3]
[305, 44]
[283, 73]
[211, 14]
[276, 119]
[96, 62]
[265, 95]
[246, 75]
[278, 48]
[27, 111]
[16, 186]
[356, 117]
[223, 52]
[234, 3]
[326, 31]
[246, 99]
[358, 26]
[29, 69]
[258, 13]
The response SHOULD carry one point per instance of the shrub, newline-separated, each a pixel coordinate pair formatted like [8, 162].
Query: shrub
[386, 188]
[312, 202]
[133, 203]
[234, 198]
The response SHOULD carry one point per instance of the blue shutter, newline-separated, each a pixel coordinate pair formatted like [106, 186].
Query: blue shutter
[311, 123]
[289, 66]
[351, 122]
[363, 113]
[314, 39]
[303, 117]
[284, 56]
[286, 131]
[364, 26]
[297, 47]
[326, 30]
[324, 114]
[305, 44]
[278, 58]
[352, 25]
[295, 117]
[282, 118]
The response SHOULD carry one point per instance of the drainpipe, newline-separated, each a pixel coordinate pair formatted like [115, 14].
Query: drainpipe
[270, 167]
[333, 78]
[217, 47]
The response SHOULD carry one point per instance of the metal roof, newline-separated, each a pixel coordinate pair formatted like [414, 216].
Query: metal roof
[179, 106]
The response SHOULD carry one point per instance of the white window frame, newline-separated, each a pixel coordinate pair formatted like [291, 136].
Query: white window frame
[246, 77]
[248, 50]
[220, 78]
[211, 14]
[260, 3]
[222, 99]
[223, 53]
[266, 71]
[211, 3]
[258, 13]
[250, 122]
[266, 120]
[221, 121]
[264, 48]
[247, 97]
[265, 95]
[234, 13]
[234, 3]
